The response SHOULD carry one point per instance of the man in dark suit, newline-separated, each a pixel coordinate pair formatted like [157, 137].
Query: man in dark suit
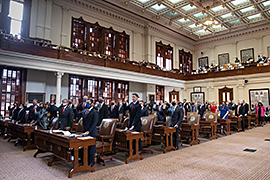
[53, 110]
[21, 114]
[121, 108]
[135, 123]
[237, 108]
[158, 107]
[81, 106]
[243, 112]
[102, 110]
[113, 110]
[32, 109]
[90, 120]
[201, 109]
[66, 116]
[176, 115]
[144, 110]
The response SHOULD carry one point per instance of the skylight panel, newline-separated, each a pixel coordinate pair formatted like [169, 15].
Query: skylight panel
[226, 15]
[158, 8]
[247, 9]
[254, 16]
[183, 20]
[172, 14]
[218, 8]
[233, 22]
[216, 26]
[192, 26]
[237, 2]
[143, 1]
[175, 1]
[188, 8]
[200, 14]
[267, 3]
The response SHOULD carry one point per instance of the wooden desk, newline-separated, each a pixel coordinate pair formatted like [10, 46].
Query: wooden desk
[123, 141]
[167, 131]
[23, 133]
[4, 128]
[212, 126]
[248, 121]
[64, 147]
[254, 119]
[227, 122]
[190, 133]
[238, 121]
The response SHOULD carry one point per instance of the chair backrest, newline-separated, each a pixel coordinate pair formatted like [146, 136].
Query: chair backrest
[54, 123]
[167, 120]
[209, 116]
[107, 127]
[154, 118]
[190, 114]
[147, 123]
[79, 126]
[125, 123]
[121, 118]
[231, 113]
[194, 119]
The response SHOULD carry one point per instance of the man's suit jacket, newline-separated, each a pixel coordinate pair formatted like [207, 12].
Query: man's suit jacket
[135, 116]
[122, 109]
[195, 109]
[65, 119]
[176, 117]
[114, 112]
[21, 115]
[244, 109]
[144, 112]
[201, 110]
[90, 121]
[53, 110]
[31, 114]
[102, 113]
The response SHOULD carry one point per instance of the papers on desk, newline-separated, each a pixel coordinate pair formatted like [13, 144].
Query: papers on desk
[65, 133]
[85, 138]
[134, 132]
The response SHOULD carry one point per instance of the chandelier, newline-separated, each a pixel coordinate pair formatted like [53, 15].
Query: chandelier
[207, 3]
[209, 22]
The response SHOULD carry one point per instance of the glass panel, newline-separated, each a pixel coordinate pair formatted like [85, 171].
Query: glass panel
[228, 96]
[16, 10]
[224, 96]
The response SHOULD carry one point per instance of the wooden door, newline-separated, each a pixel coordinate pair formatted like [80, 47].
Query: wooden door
[174, 95]
[225, 94]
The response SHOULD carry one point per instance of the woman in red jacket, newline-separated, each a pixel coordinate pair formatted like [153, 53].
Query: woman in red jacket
[213, 107]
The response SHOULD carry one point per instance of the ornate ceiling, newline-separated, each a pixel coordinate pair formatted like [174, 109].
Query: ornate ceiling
[188, 17]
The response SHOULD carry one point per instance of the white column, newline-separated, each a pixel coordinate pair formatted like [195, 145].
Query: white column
[260, 47]
[47, 28]
[58, 87]
[175, 57]
[133, 47]
[213, 60]
[65, 28]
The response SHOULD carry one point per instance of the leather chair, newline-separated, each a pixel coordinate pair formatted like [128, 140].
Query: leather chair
[190, 129]
[54, 124]
[191, 113]
[124, 124]
[147, 129]
[79, 126]
[209, 126]
[104, 141]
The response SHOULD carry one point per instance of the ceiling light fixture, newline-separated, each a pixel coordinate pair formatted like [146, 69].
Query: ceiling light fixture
[209, 22]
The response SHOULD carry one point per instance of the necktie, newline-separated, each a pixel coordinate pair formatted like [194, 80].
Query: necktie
[86, 113]
[132, 106]
[83, 105]
[112, 109]
[99, 108]
[172, 110]
[63, 108]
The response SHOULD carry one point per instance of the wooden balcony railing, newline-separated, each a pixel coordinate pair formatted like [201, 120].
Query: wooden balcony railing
[63, 54]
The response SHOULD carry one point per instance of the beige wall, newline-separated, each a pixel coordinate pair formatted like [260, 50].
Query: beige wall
[240, 89]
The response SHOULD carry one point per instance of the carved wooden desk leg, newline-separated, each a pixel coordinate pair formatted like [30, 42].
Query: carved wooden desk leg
[75, 163]
[130, 151]
[28, 145]
[38, 151]
[239, 126]
[53, 159]
[166, 142]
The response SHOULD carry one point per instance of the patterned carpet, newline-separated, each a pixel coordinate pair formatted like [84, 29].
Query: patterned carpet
[223, 158]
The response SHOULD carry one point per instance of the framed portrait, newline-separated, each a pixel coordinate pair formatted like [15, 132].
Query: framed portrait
[259, 94]
[223, 59]
[203, 61]
[152, 98]
[247, 54]
[197, 89]
[197, 97]
[39, 96]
